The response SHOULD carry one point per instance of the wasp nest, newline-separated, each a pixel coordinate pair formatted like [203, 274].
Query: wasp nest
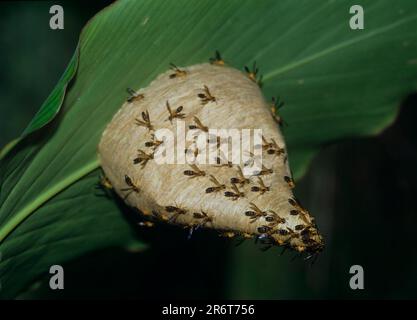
[218, 192]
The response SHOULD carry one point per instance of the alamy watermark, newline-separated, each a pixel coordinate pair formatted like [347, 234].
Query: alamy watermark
[357, 21]
[209, 146]
[357, 280]
[57, 19]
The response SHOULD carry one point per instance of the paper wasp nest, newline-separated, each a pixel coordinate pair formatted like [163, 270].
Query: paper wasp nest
[248, 195]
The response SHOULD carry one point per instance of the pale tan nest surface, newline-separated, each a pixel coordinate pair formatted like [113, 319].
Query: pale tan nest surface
[166, 193]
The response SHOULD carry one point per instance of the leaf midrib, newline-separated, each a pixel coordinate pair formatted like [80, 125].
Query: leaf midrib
[24, 213]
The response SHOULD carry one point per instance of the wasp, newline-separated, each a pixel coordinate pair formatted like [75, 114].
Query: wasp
[145, 122]
[132, 187]
[176, 113]
[276, 104]
[261, 188]
[255, 213]
[189, 151]
[235, 194]
[178, 73]
[274, 219]
[203, 219]
[290, 181]
[176, 211]
[213, 139]
[196, 172]
[299, 210]
[253, 74]
[270, 147]
[217, 59]
[263, 230]
[278, 152]
[206, 97]
[198, 125]
[300, 227]
[154, 143]
[265, 144]
[218, 186]
[241, 179]
[263, 171]
[142, 158]
[133, 95]
[105, 185]
[222, 161]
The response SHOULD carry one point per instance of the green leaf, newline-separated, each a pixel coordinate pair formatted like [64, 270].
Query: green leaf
[336, 83]
[50, 107]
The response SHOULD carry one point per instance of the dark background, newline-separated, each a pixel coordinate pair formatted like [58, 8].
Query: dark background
[362, 191]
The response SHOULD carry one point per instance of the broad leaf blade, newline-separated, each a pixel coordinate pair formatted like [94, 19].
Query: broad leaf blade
[336, 82]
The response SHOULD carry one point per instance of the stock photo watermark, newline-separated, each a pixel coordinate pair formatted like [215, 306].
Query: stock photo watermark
[56, 22]
[202, 145]
[357, 280]
[56, 282]
[357, 21]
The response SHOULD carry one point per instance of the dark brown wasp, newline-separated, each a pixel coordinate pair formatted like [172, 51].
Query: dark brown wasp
[202, 219]
[263, 230]
[142, 158]
[105, 185]
[251, 160]
[176, 113]
[190, 151]
[196, 172]
[178, 73]
[265, 144]
[263, 171]
[235, 194]
[154, 143]
[261, 188]
[299, 210]
[132, 187]
[253, 74]
[222, 161]
[255, 213]
[217, 59]
[300, 227]
[217, 185]
[145, 122]
[270, 147]
[198, 125]
[105, 182]
[176, 211]
[206, 97]
[241, 179]
[133, 95]
[278, 152]
[274, 219]
[213, 139]
[290, 181]
[275, 106]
